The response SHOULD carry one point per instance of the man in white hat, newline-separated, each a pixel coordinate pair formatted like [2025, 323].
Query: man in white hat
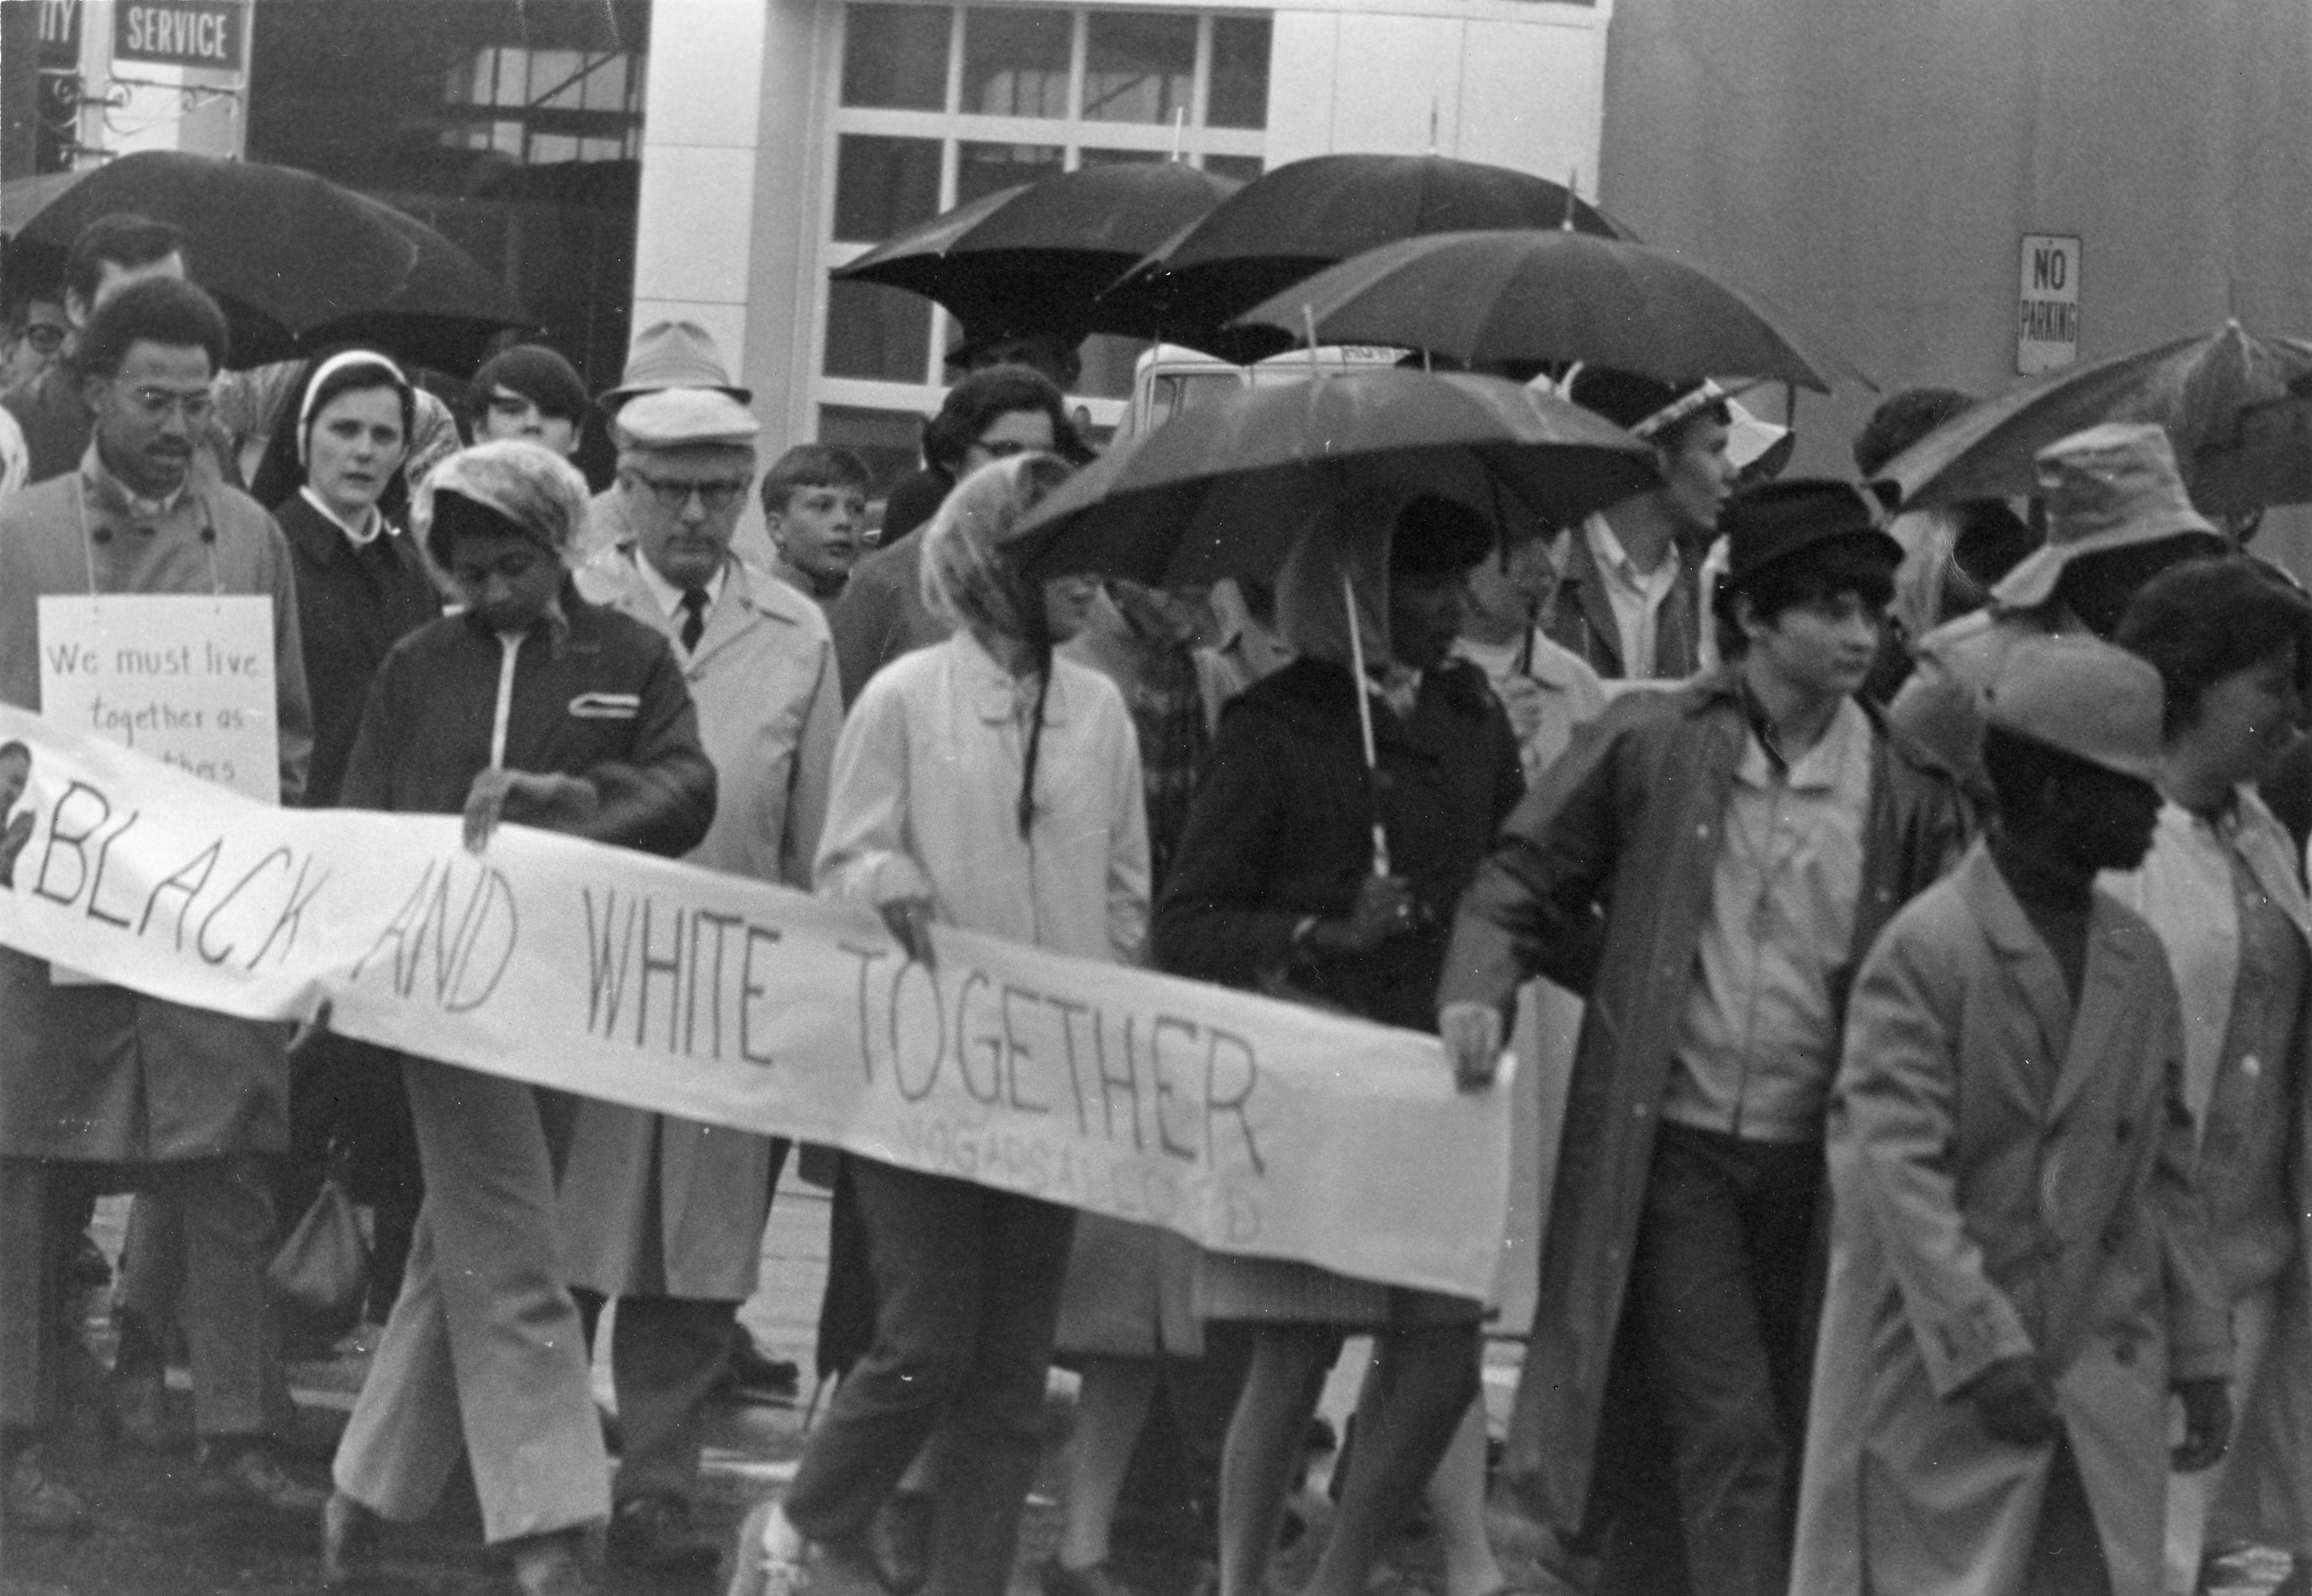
[1629, 600]
[2117, 515]
[666, 356]
[664, 1214]
[2021, 1270]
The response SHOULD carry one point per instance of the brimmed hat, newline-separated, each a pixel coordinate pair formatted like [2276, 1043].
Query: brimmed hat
[681, 418]
[1781, 520]
[2090, 698]
[674, 354]
[2111, 487]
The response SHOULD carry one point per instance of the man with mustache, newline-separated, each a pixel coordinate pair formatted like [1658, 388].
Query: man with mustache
[98, 1081]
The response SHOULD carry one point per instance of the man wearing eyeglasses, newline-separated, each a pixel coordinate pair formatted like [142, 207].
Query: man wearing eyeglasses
[665, 1215]
[112, 253]
[35, 336]
[101, 1086]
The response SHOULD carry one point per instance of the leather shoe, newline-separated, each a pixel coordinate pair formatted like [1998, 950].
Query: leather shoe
[653, 1533]
[348, 1536]
[748, 1376]
[899, 1542]
[35, 1501]
[252, 1473]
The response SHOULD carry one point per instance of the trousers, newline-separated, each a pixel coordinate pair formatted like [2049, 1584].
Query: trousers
[227, 1219]
[968, 1286]
[1708, 1388]
[667, 1354]
[483, 1354]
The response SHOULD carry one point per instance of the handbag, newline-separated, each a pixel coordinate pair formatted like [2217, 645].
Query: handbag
[321, 1272]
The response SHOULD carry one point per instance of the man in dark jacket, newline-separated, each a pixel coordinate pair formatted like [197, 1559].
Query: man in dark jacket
[1707, 866]
[536, 706]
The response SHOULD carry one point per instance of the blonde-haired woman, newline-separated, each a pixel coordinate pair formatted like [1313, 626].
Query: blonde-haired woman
[980, 783]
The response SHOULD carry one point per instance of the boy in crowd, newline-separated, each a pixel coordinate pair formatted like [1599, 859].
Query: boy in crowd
[2021, 1270]
[1705, 865]
[815, 511]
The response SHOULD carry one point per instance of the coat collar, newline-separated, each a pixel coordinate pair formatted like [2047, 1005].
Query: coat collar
[2088, 1034]
[994, 694]
[750, 598]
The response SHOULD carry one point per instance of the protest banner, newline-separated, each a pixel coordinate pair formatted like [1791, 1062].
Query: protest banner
[1246, 1124]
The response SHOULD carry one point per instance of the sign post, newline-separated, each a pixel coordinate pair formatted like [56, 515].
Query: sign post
[2048, 320]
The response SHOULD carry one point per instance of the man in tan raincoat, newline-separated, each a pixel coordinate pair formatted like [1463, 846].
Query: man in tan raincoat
[664, 1214]
[2021, 1270]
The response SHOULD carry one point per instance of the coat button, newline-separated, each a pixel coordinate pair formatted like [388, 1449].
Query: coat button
[2124, 1354]
[1638, 1111]
[2124, 1129]
[2251, 1066]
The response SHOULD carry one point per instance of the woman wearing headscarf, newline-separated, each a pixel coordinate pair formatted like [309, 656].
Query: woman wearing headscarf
[982, 784]
[1276, 887]
[536, 706]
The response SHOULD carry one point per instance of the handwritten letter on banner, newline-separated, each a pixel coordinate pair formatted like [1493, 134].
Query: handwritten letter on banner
[1246, 1124]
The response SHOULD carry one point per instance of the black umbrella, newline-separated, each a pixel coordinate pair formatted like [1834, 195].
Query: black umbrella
[1294, 221]
[1224, 488]
[298, 262]
[1032, 255]
[1550, 296]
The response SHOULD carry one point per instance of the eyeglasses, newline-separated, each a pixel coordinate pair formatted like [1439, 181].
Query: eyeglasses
[674, 498]
[158, 402]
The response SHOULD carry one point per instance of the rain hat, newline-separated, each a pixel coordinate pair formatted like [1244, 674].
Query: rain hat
[2090, 698]
[679, 418]
[2111, 487]
[674, 354]
[510, 486]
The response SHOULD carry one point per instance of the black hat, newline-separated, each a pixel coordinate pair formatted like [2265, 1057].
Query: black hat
[1770, 524]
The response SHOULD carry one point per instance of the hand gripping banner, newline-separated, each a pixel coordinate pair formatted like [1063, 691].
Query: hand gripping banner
[1246, 1124]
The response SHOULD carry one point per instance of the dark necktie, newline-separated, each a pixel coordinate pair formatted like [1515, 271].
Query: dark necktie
[694, 617]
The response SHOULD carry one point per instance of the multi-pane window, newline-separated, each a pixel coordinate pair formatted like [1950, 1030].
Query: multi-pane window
[543, 107]
[939, 105]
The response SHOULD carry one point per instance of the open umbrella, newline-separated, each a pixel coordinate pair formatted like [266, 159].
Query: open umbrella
[1300, 218]
[298, 262]
[2238, 408]
[1026, 255]
[1222, 489]
[1235, 488]
[1550, 295]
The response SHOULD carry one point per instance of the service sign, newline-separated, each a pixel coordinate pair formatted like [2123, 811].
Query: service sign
[2047, 318]
[179, 32]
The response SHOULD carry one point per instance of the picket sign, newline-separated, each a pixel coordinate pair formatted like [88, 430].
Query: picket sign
[1247, 1125]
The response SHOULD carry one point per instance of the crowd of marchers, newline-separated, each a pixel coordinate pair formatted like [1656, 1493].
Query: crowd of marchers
[1932, 1207]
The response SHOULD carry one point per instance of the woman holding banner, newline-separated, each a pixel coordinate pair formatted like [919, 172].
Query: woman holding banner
[483, 1354]
[983, 784]
[1277, 887]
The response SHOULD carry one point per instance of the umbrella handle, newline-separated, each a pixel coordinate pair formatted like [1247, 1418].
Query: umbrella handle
[1364, 721]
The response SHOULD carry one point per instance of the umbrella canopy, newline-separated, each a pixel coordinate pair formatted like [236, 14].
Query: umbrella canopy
[1225, 489]
[298, 262]
[1035, 254]
[2238, 408]
[1294, 221]
[1549, 295]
